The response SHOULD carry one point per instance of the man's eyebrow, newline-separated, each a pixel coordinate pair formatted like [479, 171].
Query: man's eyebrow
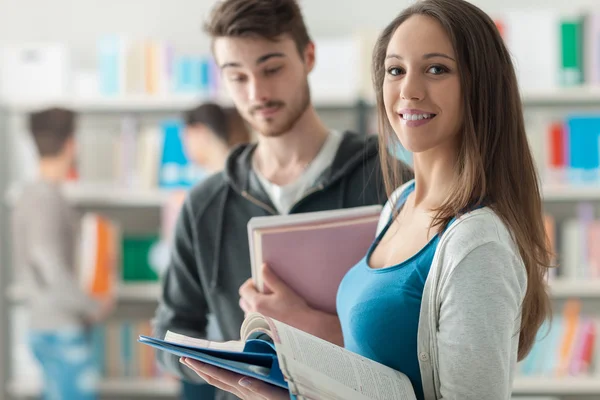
[259, 60]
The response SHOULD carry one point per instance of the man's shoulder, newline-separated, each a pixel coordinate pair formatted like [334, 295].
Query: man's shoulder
[206, 192]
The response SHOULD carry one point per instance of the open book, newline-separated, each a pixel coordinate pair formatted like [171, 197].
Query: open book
[311, 252]
[311, 368]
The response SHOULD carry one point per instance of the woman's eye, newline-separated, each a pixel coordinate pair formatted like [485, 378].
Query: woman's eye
[394, 71]
[437, 70]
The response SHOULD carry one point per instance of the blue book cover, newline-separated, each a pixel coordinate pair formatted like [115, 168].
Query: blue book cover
[174, 165]
[109, 65]
[584, 160]
[257, 360]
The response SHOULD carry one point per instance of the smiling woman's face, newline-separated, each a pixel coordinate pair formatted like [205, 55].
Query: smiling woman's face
[421, 88]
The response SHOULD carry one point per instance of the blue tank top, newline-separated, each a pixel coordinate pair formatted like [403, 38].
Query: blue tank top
[379, 308]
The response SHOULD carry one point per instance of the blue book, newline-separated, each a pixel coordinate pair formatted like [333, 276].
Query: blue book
[308, 367]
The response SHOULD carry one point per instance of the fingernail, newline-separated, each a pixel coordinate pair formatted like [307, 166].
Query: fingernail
[245, 382]
[182, 360]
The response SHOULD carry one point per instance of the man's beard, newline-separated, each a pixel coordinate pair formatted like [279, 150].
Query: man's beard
[289, 120]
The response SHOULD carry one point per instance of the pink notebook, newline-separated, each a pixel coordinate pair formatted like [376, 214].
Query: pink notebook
[312, 252]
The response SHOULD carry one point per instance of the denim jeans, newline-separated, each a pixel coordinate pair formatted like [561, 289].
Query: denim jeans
[67, 362]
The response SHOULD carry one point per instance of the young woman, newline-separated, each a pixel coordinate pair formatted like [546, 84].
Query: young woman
[452, 291]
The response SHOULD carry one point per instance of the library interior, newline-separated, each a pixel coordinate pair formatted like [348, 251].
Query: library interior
[137, 86]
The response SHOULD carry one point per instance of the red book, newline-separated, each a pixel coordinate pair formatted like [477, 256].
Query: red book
[557, 145]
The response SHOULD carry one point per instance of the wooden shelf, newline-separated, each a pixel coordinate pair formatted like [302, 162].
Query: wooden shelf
[575, 96]
[557, 386]
[83, 194]
[124, 388]
[157, 103]
[125, 103]
[579, 289]
[133, 292]
[559, 193]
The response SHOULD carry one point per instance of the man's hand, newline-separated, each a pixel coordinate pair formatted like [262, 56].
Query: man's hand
[280, 302]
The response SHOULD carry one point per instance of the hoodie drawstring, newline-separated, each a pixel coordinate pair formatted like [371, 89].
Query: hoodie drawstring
[219, 238]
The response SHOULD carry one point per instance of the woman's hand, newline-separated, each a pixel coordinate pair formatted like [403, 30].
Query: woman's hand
[243, 387]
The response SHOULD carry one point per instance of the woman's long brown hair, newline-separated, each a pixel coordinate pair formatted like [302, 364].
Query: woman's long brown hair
[495, 162]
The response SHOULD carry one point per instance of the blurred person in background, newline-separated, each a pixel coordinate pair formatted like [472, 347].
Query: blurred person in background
[45, 235]
[211, 131]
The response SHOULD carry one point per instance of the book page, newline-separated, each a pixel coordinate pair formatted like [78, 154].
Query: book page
[252, 323]
[176, 338]
[317, 369]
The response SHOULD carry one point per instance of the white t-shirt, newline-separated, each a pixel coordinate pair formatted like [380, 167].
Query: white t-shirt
[284, 197]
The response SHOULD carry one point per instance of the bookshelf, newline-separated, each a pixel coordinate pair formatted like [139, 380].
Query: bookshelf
[109, 196]
[127, 203]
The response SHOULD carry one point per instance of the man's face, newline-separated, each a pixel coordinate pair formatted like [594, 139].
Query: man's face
[267, 80]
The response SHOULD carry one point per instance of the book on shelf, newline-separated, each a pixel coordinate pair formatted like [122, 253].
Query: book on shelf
[573, 241]
[118, 353]
[138, 155]
[99, 255]
[552, 49]
[281, 355]
[134, 66]
[566, 148]
[311, 252]
[566, 346]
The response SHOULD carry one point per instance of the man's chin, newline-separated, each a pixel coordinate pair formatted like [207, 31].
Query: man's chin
[270, 130]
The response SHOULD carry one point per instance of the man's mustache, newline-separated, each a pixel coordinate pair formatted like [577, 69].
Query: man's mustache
[269, 104]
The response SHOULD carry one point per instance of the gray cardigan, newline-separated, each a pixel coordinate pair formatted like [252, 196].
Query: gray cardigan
[470, 318]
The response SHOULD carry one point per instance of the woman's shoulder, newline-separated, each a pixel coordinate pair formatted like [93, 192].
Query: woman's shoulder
[478, 228]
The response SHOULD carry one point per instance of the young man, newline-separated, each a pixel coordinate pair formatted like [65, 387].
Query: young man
[298, 165]
[44, 238]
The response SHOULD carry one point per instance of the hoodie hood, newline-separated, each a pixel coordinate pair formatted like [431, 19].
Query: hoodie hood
[354, 149]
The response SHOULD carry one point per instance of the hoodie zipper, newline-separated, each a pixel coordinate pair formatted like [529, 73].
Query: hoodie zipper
[259, 203]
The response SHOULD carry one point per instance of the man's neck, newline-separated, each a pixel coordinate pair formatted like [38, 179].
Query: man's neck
[284, 158]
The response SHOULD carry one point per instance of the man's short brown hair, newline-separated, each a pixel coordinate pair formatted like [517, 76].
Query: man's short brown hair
[51, 128]
[268, 19]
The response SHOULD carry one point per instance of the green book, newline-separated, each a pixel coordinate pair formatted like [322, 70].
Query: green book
[571, 38]
[136, 258]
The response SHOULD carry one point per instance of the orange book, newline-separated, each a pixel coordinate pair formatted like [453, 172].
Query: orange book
[152, 63]
[99, 255]
[571, 315]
